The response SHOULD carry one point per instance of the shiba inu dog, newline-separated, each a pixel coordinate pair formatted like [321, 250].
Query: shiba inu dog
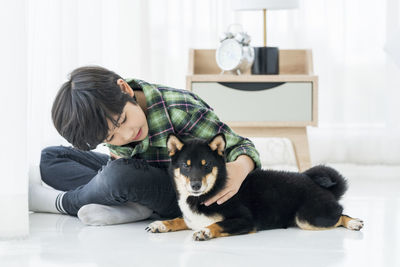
[266, 199]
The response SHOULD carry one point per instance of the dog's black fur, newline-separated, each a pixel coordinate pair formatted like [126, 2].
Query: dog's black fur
[267, 199]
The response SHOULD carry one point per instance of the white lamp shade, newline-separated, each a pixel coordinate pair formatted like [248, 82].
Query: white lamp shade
[264, 4]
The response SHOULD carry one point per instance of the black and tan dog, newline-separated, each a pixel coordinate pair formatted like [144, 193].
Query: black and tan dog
[266, 200]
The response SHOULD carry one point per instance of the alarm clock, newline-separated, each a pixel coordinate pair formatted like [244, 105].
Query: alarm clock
[234, 53]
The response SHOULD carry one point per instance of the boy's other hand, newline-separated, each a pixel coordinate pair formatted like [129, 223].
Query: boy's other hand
[237, 171]
[113, 156]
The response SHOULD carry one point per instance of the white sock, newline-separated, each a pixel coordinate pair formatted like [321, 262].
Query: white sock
[34, 175]
[42, 199]
[96, 214]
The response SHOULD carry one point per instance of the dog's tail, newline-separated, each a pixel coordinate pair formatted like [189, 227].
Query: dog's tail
[328, 178]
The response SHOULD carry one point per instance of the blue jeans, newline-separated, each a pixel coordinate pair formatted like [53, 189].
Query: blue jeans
[92, 177]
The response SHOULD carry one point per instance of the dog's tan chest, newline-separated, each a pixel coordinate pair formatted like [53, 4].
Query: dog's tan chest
[195, 220]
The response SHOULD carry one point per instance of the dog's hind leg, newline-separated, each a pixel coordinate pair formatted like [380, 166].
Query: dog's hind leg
[319, 213]
[225, 228]
[344, 220]
[350, 223]
[323, 215]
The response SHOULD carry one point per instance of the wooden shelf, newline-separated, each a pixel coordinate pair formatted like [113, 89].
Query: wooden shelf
[252, 78]
[291, 62]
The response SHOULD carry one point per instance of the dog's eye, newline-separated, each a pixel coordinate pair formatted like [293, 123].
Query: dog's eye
[207, 165]
[185, 165]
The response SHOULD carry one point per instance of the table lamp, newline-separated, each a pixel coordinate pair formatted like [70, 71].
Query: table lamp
[266, 59]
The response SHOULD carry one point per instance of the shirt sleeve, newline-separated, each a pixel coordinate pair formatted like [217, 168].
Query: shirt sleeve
[203, 123]
[124, 152]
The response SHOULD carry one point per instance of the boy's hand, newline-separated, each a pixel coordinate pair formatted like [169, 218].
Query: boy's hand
[113, 156]
[237, 171]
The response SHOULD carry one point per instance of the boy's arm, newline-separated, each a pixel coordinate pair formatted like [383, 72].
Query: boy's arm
[243, 148]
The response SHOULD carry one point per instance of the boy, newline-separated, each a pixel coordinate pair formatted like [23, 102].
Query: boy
[133, 118]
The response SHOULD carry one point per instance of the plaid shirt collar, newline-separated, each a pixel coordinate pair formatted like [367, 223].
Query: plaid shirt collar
[158, 120]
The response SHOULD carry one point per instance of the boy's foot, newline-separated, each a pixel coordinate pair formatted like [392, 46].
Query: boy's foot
[96, 214]
[41, 198]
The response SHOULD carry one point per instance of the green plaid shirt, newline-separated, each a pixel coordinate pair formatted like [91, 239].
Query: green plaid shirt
[185, 114]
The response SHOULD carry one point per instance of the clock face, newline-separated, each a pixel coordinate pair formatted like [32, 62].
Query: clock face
[229, 54]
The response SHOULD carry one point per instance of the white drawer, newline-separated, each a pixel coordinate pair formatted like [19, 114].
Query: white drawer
[258, 101]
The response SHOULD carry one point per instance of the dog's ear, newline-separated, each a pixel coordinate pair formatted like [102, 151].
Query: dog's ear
[218, 143]
[173, 144]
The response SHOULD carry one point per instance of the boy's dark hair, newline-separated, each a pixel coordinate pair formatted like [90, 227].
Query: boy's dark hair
[83, 104]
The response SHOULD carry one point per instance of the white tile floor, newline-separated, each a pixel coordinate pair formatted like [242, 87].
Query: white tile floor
[374, 196]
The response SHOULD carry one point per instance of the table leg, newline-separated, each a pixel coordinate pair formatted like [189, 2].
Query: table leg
[298, 136]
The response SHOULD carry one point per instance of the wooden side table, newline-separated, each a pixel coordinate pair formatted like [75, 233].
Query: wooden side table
[261, 105]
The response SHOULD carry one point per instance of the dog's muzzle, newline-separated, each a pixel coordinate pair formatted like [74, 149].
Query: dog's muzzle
[196, 185]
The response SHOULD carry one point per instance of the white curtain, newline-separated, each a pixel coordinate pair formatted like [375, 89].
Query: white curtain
[13, 110]
[149, 39]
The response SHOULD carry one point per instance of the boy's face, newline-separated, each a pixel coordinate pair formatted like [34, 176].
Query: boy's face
[133, 126]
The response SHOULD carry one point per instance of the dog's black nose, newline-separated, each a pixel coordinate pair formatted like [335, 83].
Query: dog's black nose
[195, 185]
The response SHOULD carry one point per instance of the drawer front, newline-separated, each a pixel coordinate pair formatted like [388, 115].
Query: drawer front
[243, 101]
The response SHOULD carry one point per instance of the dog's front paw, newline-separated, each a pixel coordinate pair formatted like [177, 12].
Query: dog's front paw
[157, 227]
[202, 234]
[355, 224]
